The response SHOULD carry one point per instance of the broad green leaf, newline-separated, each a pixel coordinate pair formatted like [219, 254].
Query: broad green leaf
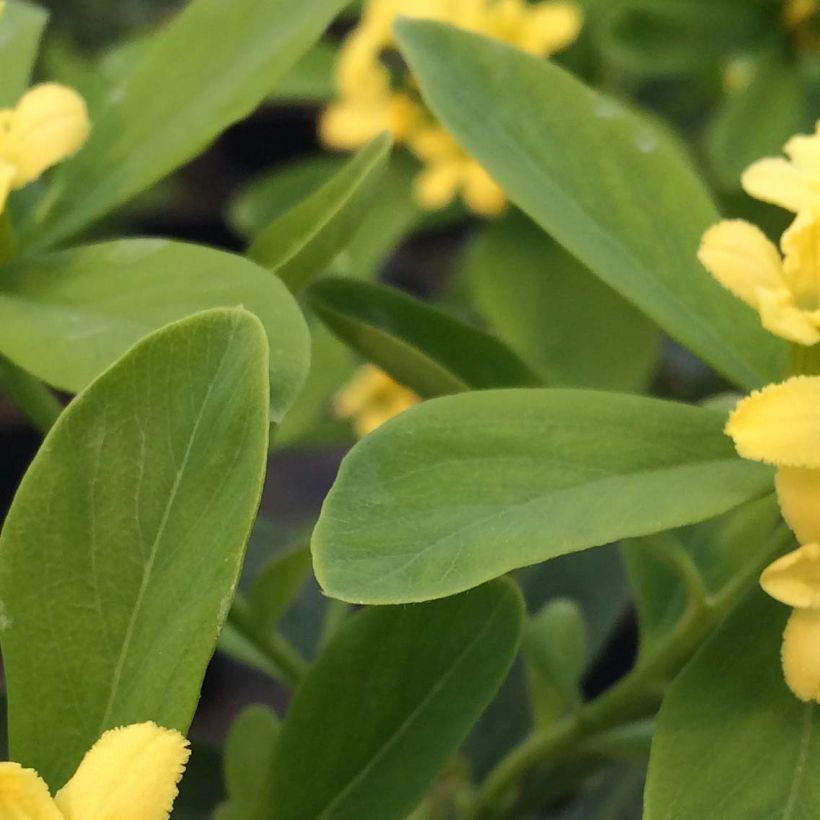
[66, 316]
[612, 187]
[300, 244]
[388, 702]
[418, 345]
[570, 328]
[465, 488]
[21, 26]
[615, 794]
[122, 549]
[249, 751]
[732, 741]
[208, 69]
[739, 135]
[311, 79]
[720, 549]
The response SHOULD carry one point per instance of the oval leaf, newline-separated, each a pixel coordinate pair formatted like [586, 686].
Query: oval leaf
[609, 185]
[388, 702]
[67, 316]
[122, 549]
[421, 347]
[298, 246]
[462, 489]
[21, 26]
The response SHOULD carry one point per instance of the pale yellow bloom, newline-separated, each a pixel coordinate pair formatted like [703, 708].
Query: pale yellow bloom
[49, 123]
[797, 13]
[785, 291]
[370, 399]
[129, 774]
[376, 92]
[793, 183]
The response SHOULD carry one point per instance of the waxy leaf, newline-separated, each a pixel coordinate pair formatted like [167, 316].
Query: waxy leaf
[121, 552]
[208, 69]
[388, 701]
[732, 741]
[418, 345]
[21, 26]
[612, 187]
[67, 316]
[465, 488]
[299, 245]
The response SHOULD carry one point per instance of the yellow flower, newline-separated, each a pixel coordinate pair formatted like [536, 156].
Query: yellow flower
[797, 13]
[376, 91]
[793, 183]
[785, 291]
[48, 124]
[129, 774]
[371, 398]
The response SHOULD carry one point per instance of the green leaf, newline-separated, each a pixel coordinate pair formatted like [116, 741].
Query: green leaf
[311, 79]
[275, 587]
[418, 345]
[564, 322]
[732, 741]
[67, 316]
[122, 549]
[300, 244]
[612, 187]
[208, 69]
[21, 26]
[463, 489]
[388, 701]
[249, 751]
[741, 133]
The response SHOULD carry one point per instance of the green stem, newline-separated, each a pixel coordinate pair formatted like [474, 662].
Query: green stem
[282, 654]
[635, 697]
[804, 361]
[33, 398]
[8, 240]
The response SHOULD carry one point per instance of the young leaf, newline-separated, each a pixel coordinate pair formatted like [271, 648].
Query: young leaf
[21, 26]
[609, 185]
[299, 245]
[554, 313]
[732, 741]
[420, 346]
[126, 537]
[388, 701]
[463, 489]
[208, 69]
[67, 316]
[276, 585]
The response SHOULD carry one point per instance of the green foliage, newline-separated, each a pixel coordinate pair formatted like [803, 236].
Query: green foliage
[23, 25]
[451, 494]
[154, 475]
[611, 186]
[388, 701]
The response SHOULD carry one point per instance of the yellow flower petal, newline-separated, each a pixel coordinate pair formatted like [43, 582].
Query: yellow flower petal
[741, 257]
[798, 492]
[481, 193]
[794, 579]
[49, 124]
[780, 424]
[24, 795]
[7, 173]
[804, 152]
[349, 126]
[780, 315]
[777, 181]
[551, 27]
[437, 185]
[129, 774]
[801, 654]
[801, 265]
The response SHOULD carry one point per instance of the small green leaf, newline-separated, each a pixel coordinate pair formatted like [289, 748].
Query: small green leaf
[564, 322]
[463, 489]
[67, 316]
[249, 751]
[299, 245]
[388, 701]
[420, 346]
[275, 587]
[209, 68]
[732, 741]
[611, 186]
[21, 26]
[311, 79]
[120, 554]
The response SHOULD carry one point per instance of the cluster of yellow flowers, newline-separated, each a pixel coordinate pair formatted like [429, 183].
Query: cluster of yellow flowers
[129, 774]
[376, 91]
[371, 398]
[780, 425]
[48, 124]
